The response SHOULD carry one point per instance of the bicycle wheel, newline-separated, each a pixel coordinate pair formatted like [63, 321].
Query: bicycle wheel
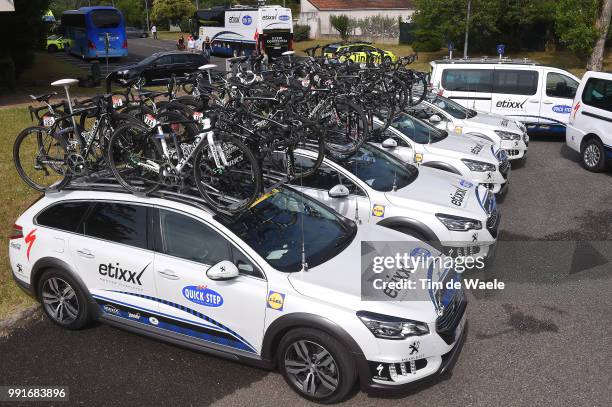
[346, 128]
[226, 173]
[41, 159]
[417, 87]
[134, 158]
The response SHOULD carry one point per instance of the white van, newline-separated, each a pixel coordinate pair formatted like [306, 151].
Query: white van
[590, 126]
[540, 96]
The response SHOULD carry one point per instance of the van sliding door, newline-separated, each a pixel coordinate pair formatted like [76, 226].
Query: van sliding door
[469, 87]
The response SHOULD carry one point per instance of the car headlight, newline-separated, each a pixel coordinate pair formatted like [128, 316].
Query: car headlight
[478, 166]
[506, 135]
[124, 72]
[458, 223]
[388, 327]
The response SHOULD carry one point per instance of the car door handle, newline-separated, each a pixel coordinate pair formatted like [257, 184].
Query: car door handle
[534, 100]
[85, 253]
[169, 274]
[547, 102]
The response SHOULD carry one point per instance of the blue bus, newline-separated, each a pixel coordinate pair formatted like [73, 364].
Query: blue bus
[86, 30]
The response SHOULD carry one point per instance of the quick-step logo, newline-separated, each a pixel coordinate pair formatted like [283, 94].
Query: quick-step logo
[203, 295]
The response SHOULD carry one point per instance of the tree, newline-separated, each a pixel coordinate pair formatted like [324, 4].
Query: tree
[602, 26]
[575, 25]
[23, 32]
[342, 24]
[171, 11]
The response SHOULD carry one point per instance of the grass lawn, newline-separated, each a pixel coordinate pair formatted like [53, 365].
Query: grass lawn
[16, 198]
[171, 35]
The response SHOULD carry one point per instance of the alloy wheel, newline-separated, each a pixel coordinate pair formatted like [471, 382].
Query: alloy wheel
[592, 155]
[311, 368]
[60, 300]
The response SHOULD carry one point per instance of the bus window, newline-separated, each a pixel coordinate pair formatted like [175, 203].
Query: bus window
[106, 18]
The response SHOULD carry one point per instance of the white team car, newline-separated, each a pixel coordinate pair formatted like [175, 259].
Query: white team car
[417, 142]
[443, 209]
[237, 286]
[445, 114]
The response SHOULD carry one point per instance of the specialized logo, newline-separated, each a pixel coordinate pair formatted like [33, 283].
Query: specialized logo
[111, 309]
[379, 369]
[19, 268]
[378, 211]
[117, 273]
[477, 149]
[247, 20]
[414, 348]
[562, 109]
[30, 239]
[203, 295]
[509, 104]
[284, 18]
[466, 184]
[576, 109]
[276, 300]
[458, 197]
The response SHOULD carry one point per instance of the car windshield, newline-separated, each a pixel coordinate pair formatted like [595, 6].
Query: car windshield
[330, 49]
[417, 130]
[276, 226]
[149, 59]
[451, 107]
[381, 171]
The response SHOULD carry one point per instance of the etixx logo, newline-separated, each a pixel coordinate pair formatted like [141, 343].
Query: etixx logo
[116, 272]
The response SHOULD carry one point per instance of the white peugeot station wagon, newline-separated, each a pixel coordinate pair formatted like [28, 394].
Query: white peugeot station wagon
[277, 286]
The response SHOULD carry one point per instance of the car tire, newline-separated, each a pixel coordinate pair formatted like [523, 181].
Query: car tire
[52, 48]
[63, 300]
[387, 60]
[594, 156]
[328, 379]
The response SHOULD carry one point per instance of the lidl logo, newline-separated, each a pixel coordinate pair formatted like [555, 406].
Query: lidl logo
[378, 211]
[276, 300]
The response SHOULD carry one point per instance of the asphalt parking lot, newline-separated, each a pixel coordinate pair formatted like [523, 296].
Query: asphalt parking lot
[545, 340]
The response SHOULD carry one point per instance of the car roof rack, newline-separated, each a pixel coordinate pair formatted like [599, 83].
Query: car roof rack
[486, 60]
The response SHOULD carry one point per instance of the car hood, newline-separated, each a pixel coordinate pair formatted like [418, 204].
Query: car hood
[494, 121]
[450, 192]
[338, 281]
[466, 147]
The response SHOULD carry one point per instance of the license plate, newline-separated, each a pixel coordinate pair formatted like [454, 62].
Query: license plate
[48, 121]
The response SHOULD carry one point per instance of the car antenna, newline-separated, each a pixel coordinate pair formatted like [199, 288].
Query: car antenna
[304, 263]
[394, 181]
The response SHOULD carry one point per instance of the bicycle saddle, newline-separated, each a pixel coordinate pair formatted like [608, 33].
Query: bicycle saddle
[44, 97]
[65, 82]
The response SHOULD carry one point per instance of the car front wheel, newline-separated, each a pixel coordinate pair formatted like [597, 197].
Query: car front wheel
[316, 365]
[593, 156]
[63, 300]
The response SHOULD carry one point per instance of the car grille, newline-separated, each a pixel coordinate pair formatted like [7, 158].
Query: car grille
[493, 222]
[504, 167]
[513, 153]
[465, 251]
[447, 323]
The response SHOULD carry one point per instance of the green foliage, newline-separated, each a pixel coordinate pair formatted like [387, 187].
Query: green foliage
[342, 24]
[171, 11]
[378, 26]
[23, 32]
[301, 32]
[575, 25]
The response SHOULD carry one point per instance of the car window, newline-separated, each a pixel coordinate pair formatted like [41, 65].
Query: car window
[377, 137]
[468, 80]
[64, 216]
[190, 239]
[417, 130]
[560, 86]
[165, 60]
[449, 106]
[244, 264]
[180, 58]
[118, 222]
[325, 178]
[598, 93]
[515, 82]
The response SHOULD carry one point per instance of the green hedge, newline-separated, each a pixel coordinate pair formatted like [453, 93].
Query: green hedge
[301, 32]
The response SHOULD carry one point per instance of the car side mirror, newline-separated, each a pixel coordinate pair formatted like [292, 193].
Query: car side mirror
[224, 270]
[389, 143]
[435, 119]
[338, 191]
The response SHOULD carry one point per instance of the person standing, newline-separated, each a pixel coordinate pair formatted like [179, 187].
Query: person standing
[206, 47]
[190, 44]
[154, 31]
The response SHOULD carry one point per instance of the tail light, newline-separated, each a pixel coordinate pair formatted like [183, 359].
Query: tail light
[124, 45]
[90, 44]
[291, 44]
[17, 232]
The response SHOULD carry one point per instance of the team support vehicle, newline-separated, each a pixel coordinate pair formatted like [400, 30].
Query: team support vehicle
[358, 52]
[55, 43]
[95, 32]
[277, 287]
[453, 214]
[590, 128]
[239, 30]
[446, 114]
[416, 142]
[540, 96]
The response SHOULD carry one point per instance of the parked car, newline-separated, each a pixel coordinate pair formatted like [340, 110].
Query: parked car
[590, 127]
[540, 96]
[453, 214]
[239, 287]
[446, 114]
[357, 52]
[417, 142]
[159, 67]
[133, 32]
[56, 42]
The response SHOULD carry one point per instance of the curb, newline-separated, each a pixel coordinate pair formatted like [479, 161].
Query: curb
[19, 319]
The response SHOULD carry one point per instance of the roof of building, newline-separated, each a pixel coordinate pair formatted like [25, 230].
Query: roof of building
[361, 4]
